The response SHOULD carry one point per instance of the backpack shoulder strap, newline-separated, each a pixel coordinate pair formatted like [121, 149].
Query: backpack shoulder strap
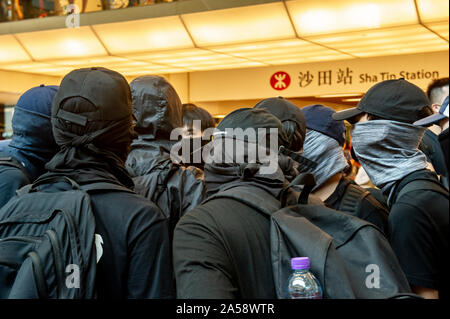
[419, 184]
[10, 161]
[105, 186]
[252, 196]
[351, 201]
[87, 187]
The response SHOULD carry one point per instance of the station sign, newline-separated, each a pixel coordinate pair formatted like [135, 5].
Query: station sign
[348, 76]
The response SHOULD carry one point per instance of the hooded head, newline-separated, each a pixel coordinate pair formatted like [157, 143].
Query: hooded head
[92, 122]
[245, 150]
[33, 143]
[192, 112]
[157, 107]
[291, 117]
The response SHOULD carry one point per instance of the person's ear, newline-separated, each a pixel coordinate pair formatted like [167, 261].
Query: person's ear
[435, 107]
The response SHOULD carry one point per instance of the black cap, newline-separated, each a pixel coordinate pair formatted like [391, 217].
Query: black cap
[107, 90]
[397, 100]
[251, 118]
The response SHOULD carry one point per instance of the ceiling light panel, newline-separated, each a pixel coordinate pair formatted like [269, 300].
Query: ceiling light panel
[94, 61]
[238, 25]
[440, 28]
[69, 43]
[433, 10]
[11, 50]
[37, 68]
[282, 52]
[155, 69]
[400, 40]
[435, 15]
[195, 59]
[144, 35]
[331, 16]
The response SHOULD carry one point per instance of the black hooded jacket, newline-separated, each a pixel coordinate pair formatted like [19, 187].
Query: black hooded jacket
[174, 188]
[134, 233]
[221, 249]
[32, 144]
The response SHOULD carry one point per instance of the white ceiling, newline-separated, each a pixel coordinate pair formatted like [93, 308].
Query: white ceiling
[284, 32]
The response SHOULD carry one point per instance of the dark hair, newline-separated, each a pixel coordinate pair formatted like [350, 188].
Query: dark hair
[433, 91]
[192, 112]
[294, 137]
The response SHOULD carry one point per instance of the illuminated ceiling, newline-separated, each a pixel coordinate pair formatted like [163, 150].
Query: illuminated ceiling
[276, 33]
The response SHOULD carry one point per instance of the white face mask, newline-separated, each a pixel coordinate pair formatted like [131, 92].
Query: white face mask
[388, 150]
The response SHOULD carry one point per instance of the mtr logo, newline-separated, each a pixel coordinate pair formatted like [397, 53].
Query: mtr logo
[280, 80]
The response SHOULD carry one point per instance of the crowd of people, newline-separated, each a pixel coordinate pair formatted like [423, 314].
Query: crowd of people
[162, 230]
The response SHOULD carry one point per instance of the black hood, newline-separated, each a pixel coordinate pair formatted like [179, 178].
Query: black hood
[156, 106]
[284, 111]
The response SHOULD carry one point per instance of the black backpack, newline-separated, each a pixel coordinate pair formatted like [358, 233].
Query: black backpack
[47, 242]
[343, 250]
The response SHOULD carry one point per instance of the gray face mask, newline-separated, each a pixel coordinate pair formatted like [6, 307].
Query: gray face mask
[388, 150]
[327, 153]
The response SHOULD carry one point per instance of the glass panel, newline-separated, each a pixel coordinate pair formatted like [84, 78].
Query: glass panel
[13, 10]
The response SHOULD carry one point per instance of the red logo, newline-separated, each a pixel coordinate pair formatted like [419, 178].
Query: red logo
[280, 80]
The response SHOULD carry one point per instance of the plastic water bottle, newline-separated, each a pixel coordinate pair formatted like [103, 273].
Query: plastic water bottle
[302, 284]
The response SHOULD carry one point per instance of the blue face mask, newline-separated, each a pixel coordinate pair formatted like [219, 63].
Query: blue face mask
[327, 153]
[388, 150]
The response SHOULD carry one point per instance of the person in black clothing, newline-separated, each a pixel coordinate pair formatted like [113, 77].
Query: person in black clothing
[441, 118]
[387, 147]
[323, 145]
[294, 128]
[176, 189]
[92, 124]
[32, 144]
[291, 117]
[221, 249]
[196, 122]
[437, 91]
[191, 113]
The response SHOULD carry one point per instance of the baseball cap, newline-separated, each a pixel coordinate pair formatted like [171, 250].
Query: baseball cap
[319, 118]
[432, 119]
[107, 90]
[397, 100]
[38, 100]
[250, 118]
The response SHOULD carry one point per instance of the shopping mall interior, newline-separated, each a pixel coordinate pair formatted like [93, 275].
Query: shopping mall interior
[224, 55]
